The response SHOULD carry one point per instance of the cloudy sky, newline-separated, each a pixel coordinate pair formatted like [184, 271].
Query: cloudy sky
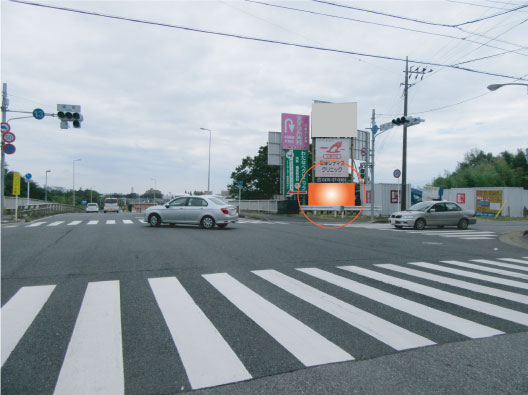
[146, 90]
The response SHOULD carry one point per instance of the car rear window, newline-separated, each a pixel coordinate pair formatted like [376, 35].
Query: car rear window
[110, 201]
[217, 200]
[92, 204]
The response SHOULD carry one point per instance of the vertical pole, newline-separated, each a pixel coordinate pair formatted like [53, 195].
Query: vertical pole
[239, 195]
[404, 160]
[371, 154]
[46, 190]
[209, 168]
[5, 103]
[16, 207]
[27, 196]
[73, 198]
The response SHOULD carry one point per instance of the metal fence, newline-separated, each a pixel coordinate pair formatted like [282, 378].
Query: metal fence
[267, 206]
[37, 208]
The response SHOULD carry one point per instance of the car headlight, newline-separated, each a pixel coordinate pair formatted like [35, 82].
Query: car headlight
[408, 217]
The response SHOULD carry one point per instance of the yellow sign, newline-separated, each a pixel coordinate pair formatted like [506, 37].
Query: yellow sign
[488, 202]
[16, 184]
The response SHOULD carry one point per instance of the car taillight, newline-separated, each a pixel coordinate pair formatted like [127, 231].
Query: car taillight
[225, 211]
[474, 214]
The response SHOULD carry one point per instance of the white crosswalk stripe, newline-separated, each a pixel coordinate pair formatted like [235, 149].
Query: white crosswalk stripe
[73, 223]
[95, 360]
[110, 222]
[93, 222]
[128, 221]
[304, 343]
[18, 314]
[487, 269]
[207, 357]
[56, 223]
[501, 264]
[35, 224]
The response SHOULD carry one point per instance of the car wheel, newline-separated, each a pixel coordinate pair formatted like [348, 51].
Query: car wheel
[207, 222]
[419, 224]
[463, 223]
[222, 226]
[154, 220]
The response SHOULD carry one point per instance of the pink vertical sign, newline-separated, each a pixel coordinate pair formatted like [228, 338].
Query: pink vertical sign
[295, 131]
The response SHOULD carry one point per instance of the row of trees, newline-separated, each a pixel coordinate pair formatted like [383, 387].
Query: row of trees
[479, 169]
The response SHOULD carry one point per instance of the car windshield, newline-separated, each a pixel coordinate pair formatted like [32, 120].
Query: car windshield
[422, 206]
[110, 201]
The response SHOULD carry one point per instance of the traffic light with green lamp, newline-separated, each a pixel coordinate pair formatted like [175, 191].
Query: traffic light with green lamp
[69, 113]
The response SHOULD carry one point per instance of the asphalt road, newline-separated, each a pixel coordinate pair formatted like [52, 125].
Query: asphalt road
[278, 306]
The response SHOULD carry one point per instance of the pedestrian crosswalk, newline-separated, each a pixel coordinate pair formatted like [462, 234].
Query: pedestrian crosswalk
[259, 222]
[391, 306]
[468, 234]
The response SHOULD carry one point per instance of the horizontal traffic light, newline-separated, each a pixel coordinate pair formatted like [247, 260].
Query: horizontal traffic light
[69, 113]
[407, 121]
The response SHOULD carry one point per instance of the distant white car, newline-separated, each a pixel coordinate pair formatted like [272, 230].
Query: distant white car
[92, 208]
[110, 205]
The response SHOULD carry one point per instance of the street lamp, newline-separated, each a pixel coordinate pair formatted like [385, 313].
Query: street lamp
[209, 168]
[154, 189]
[73, 199]
[46, 191]
[494, 87]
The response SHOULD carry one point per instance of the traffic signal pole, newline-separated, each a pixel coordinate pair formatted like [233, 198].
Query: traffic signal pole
[371, 163]
[5, 103]
[404, 154]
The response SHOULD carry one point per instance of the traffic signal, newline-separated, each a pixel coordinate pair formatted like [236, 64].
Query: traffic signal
[407, 121]
[69, 113]
[362, 171]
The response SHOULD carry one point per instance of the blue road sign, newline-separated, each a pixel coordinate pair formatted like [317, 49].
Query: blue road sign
[38, 113]
[240, 183]
[9, 149]
[84, 202]
[375, 129]
[28, 176]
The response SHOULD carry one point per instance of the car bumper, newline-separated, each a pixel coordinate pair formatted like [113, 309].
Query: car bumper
[227, 219]
[402, 222]
[472, 221]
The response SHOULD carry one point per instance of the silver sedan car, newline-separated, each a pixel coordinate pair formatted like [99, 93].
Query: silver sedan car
[206, 211]
[433, 213]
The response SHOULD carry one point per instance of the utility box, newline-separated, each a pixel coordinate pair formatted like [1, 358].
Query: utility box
[288, 206]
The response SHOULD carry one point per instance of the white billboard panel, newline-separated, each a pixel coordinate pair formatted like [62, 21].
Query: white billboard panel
[334, 120]
[332, 149]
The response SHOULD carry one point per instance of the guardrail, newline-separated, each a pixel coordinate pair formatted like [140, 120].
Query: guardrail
[341, 209]
[37, 208]
[269, 206]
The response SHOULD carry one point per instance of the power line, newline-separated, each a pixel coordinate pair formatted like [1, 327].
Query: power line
[249, 38]
[379, 24]
[479, 5]
[418, 20]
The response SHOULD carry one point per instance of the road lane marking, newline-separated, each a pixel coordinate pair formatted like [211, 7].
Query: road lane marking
[143, 222]
[457, 324]
[207, 357]
[56, 223]
[477, 276]
[94, 360]
[464, 301]
[385, 331]
[477, 238]
[514, 260]
[18, 314]
[93, 222]
[35, 224]
[458, 283]
[110, 221]
[128, 221]
[501, 264]
[74, 223]
[487, 269]
[308, 346]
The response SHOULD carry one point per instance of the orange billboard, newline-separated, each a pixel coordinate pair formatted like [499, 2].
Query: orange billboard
[331, 194]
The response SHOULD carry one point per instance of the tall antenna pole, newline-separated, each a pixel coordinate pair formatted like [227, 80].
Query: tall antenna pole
[404, 159]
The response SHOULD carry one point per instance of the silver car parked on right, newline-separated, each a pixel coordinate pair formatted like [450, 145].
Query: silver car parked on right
[433, 213]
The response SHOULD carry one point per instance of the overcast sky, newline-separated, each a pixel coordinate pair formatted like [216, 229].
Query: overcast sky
[146, 90]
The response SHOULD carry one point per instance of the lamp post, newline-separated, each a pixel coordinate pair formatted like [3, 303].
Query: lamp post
[73, 199]
[494, 87]
[209, 167]
[46, 190]
[154, 190]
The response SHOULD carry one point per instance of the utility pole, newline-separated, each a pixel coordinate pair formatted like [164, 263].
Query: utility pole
[371, 163]
[404, 159]
[5, 103]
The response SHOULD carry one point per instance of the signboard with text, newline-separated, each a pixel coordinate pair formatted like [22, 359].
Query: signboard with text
[16, 184]
[295, 165]
[488, 202]
[461, 198]
[394, 196]
[332, 149]
[295, 132]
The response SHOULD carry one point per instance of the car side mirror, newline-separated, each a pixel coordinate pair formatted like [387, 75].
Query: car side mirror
[432, 210]
[167, 206]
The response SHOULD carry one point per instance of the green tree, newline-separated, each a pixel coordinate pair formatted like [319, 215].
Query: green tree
[259, 180]
[485, 170]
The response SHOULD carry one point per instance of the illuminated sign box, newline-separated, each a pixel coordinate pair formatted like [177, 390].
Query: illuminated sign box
[331, 194]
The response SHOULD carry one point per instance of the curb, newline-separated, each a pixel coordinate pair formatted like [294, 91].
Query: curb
[517, 239]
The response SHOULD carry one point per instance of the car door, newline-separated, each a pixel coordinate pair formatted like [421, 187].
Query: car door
[175, 212]
[440, 215]
[195, 209]
[455, 213]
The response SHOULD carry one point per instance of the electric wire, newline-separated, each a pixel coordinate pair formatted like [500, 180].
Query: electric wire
[250, 38]
[377, 24]
[479, 5]
[418, 20]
